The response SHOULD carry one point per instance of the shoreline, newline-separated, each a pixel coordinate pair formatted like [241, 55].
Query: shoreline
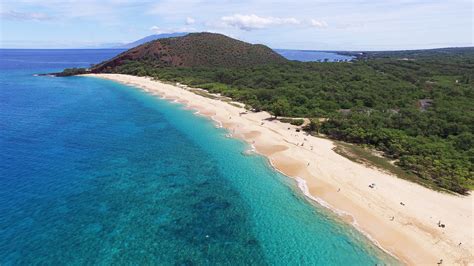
[341, 185]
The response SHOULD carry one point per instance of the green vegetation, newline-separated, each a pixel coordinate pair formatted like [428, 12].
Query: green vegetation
[194, 49]
[295, 122]
[204, 93]
[367, 156]
[72, 71]
[415, 107]
[280, 107]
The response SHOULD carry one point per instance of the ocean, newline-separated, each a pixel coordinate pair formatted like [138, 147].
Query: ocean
[95, 172]
[313, 56]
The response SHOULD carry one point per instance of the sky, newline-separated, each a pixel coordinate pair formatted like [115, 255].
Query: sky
[287, 24]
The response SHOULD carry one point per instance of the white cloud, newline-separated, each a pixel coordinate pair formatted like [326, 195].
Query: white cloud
[253, 22]
[394, 24]
[106, 12]
[190, 21]
[13, 15]
[317, 23]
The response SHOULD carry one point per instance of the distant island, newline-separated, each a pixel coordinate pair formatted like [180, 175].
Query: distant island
[414, 107]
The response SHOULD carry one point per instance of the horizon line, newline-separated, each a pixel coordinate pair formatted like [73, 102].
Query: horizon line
[287, 49]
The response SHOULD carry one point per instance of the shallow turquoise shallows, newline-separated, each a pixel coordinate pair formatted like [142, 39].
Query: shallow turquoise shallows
[95, 172]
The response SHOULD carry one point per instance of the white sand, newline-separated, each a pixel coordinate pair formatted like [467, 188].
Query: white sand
[413, 236]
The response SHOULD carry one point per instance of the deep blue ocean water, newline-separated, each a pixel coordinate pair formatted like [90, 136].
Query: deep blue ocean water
[313, 56]
[95, 172]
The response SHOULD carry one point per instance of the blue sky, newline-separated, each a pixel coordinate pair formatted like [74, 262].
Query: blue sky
[293, 24]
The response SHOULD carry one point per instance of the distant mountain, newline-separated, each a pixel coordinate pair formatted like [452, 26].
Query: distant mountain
[194, 50]
[150, 38]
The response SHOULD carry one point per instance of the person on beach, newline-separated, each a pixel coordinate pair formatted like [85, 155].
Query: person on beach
[441, 225]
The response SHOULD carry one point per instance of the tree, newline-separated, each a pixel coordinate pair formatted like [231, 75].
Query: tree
[280, 107]
[254, 105]
[313, 126]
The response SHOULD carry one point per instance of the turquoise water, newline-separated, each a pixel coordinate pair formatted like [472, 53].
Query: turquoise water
[94, 172]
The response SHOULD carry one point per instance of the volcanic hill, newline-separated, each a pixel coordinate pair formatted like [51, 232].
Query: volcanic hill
[195, 50]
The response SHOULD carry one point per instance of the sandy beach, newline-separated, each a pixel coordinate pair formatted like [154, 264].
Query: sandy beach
[399, 216]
